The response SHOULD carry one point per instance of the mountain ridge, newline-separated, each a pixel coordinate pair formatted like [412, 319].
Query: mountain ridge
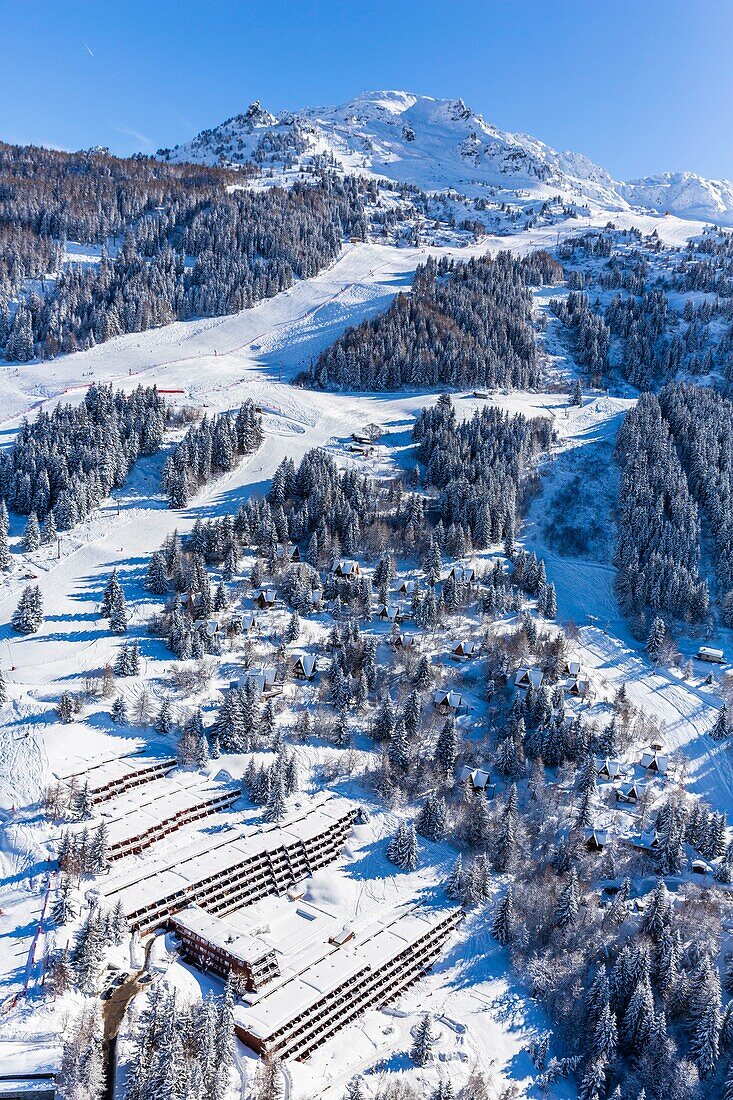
[441, 144]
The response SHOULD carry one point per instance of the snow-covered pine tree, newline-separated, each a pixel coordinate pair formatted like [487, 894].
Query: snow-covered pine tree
[422, 1047]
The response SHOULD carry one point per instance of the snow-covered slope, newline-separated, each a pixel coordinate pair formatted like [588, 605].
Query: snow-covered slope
[438, 144]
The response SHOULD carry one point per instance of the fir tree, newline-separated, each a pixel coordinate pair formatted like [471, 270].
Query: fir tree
[422, 1047]
[501, 927]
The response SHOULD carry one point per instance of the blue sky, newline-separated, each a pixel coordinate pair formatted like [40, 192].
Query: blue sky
[639, 87]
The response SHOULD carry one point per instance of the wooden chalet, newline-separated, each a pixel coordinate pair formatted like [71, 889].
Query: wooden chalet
[266, 598]
[346, 568]
[463, 574]
[712, 656]
[408, 587]
[265, 682]
[448, 702]
[390, 613]
[595, 839]
[287, 551]
[630, 792]
[464, 651]
[655, 761]
[303, 666]
[250, 622]
[578, 686]
[400, 640]
[645, 842]
[478, 779]
[607, 767]
[528, 677]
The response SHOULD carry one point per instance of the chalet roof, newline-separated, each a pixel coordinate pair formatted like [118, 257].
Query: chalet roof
[262, 679]
[285, 549]
[267, 595]
[608, 765]
[408, 587]
[647, 841]
[655, 761]
[529, 676]
[465, 649]
[463, 574]
[389, 611]
[451, 699]
[632, 789]
[577, 685]
[345, 567]
[596, 836]
[479, 777]
[306, 662]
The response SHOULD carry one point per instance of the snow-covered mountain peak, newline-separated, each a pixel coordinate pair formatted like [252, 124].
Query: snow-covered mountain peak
[439, 144]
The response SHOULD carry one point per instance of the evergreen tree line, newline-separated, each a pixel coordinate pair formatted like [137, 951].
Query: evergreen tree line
[183, 1051]
[477, 465]
[63, 464]
[650, 339]
[658, 550]
[209, 448]
[201, 253]
[464, 324]
[701, 423]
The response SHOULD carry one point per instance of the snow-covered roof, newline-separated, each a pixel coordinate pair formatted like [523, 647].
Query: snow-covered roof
[263, 679]
[479, 777]
[608, 765]
[463, 574]
[290, 996]
[184, 864]
[285, 549]
[408, 587]
[266, 595]
[345, 567]
[306, 662]
[134, 813]
[631, 790]
[598, 837]
[242, 946]
[118, 769]
[655, 761]
[647, 841]
[390, 611]
[451, 699]
[464, 649]
[526, 677]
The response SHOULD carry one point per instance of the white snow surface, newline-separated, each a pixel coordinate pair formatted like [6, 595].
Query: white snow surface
[440, 144]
